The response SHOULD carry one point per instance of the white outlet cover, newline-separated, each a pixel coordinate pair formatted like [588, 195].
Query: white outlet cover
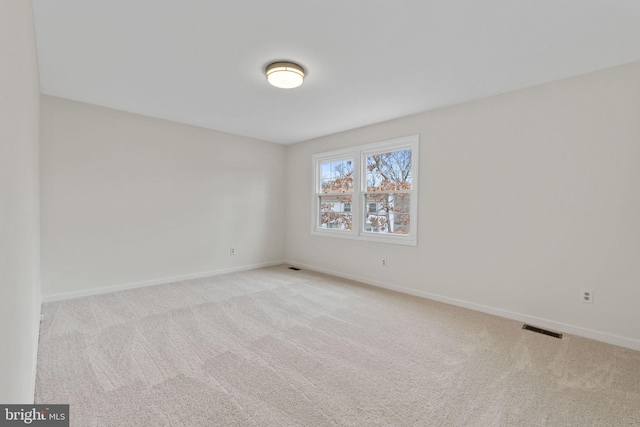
[586, 296]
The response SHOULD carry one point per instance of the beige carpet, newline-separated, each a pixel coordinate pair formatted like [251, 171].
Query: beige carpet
[276, 347]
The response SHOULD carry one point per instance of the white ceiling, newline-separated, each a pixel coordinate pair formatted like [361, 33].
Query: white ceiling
[202, 62]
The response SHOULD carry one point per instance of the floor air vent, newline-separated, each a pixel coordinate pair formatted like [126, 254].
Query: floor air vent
[542, 331]
[294, 268]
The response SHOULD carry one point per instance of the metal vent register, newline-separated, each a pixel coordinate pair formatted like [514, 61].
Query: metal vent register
[542, 331]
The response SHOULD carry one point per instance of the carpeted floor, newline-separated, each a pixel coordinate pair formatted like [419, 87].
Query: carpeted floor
[277, 347]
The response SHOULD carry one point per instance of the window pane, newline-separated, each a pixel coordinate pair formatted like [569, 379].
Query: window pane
[325, 170]
[337, 176]
[335, 212]
[389, 171]
[400, 203]
[387, 213]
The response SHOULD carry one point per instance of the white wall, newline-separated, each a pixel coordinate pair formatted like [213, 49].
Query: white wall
[128, 199]
[19, 212]
[525, 198]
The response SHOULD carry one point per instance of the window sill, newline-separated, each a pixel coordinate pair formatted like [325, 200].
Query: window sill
[393, 239]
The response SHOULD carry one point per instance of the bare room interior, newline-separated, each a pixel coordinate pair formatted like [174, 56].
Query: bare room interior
[438, 225]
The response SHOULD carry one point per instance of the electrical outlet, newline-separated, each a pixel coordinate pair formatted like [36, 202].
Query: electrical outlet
[586, 296]
[232, 251]
[384, 262]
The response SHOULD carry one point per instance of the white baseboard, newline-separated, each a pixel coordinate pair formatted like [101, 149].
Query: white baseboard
[36, 337]
[536, 321]
[127, 286]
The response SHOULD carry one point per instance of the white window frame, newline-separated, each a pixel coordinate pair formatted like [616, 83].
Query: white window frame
[359, 156]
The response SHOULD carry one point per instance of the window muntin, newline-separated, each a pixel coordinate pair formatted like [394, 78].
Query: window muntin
[368, 192]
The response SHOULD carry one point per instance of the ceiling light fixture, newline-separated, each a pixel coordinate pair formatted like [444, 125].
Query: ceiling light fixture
[285, 75]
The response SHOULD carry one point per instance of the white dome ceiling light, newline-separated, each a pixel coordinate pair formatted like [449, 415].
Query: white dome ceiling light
[285, 75]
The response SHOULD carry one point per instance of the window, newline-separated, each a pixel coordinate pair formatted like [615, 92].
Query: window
[336, 189]
[368, 192]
